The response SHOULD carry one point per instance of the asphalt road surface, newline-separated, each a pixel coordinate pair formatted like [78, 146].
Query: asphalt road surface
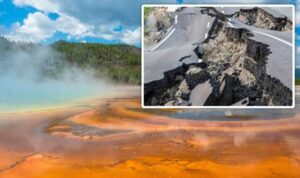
[190, 28]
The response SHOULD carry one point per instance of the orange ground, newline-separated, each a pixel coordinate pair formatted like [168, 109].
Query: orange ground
[115, 138]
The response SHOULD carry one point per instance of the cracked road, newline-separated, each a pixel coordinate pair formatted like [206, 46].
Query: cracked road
[188, 30]
[191, 26]
[279, 63]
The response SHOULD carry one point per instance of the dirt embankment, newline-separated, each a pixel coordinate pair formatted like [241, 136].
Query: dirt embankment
[157, 23]
[260, 18]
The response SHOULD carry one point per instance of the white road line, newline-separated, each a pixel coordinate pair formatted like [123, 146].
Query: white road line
[274, 37]
[230, 24]
[205, 35]
[208, 24]
[176, 20]
[162, 41]
[271, 36]
[223, 12]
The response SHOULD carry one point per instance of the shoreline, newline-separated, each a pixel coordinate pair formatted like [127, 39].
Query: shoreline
[80, 101]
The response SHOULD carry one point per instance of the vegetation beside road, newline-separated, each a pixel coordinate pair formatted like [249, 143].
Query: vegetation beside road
[147, 11]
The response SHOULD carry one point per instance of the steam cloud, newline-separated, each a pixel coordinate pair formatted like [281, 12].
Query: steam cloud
[39, 76]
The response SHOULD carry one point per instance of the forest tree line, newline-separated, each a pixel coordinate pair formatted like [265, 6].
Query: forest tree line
[119, 63]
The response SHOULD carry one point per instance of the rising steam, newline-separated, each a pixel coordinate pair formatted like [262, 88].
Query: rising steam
[35, 76]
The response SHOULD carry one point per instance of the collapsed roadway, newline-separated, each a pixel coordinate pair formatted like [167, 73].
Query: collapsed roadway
[220, 57]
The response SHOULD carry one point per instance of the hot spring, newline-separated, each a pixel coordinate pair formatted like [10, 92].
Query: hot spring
[33, 77]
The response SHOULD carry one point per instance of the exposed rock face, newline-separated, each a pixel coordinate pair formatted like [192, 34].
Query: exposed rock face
[262, 19]
[225, 55]
[183, 91]
[257, 50]
[277, 94]
[243, 62]
[175, 88]
[195, 76]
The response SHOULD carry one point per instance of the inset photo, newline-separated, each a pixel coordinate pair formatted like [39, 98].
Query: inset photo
[218, 56]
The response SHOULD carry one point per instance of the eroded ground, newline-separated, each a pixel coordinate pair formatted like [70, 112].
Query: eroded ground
[234, 59]
[116, 138]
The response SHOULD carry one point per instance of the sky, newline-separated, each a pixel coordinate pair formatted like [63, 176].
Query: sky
[96, 21]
